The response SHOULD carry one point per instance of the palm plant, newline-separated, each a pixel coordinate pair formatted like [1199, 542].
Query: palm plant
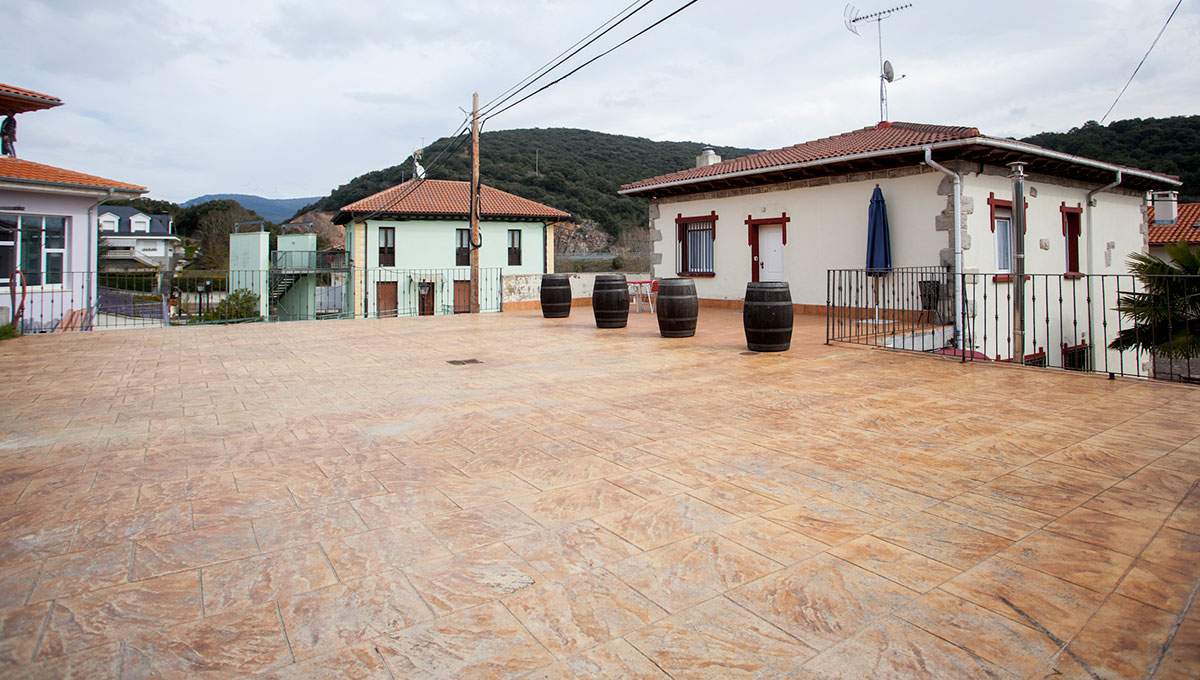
[1166, 312]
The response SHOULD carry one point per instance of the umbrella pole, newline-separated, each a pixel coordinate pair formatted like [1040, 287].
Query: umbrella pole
[875, 279]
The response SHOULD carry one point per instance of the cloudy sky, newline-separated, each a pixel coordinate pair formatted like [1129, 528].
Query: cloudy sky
[287, 98]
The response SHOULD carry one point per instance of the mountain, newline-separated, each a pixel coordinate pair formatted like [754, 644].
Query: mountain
[271, 209]
[574, 170]
[1168, 145]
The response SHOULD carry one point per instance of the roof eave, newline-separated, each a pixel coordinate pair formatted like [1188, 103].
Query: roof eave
[349, 216]
[32, 103]
[71, 187]
[948, 144]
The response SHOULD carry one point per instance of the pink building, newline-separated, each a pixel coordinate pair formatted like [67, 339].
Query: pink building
[48, 233]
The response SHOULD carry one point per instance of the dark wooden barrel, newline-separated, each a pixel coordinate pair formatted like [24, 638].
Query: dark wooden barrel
[610, 301]
[556, 296]
[677, 308]
[767, 316]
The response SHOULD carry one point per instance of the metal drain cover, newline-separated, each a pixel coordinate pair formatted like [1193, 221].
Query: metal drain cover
[463, 362]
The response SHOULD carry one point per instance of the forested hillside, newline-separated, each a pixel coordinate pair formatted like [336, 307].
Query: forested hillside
[1170, 145]
[574, 170]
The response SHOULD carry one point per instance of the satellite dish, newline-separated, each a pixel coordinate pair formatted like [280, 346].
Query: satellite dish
[889, 74]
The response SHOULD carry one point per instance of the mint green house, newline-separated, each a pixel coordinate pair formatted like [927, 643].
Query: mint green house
[409, 246]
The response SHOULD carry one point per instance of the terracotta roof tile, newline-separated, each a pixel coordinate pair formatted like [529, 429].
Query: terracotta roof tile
[876, 138]
[21, 169]
[19, 100]
[1184, 228]
[450, 198]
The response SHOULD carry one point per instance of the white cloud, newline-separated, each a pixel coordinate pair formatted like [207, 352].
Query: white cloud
[295, 97]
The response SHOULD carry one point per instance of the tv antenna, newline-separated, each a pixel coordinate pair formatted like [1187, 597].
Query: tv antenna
[886, 73]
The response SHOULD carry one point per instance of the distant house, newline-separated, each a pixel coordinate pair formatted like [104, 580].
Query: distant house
[1171, 222]
[135, 240]
[794, 213]
[48, 241]
[409, 246]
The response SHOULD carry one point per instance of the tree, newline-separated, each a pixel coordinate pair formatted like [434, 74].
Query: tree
[1166, 312]
[213, 226]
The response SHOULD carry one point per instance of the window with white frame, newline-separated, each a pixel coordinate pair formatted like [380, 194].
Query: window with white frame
[1002, 225]
[108, 222]
[139, 223]
[34, 244]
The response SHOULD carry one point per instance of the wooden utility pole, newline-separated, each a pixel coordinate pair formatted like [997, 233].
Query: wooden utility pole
[475, 240]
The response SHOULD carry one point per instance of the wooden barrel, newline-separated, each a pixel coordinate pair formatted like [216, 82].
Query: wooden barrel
[767, 316]
[610, 301]
[677, 308]
[556, 296]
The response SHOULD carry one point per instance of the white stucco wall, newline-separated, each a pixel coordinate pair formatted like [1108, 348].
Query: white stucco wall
[828, 230]
[1116, 218]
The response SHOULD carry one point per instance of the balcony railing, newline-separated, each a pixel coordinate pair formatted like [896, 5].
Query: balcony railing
[308, 259]
[1065, 321]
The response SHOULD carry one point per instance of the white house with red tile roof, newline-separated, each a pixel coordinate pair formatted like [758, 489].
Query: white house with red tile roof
[48, 234]
[423, 225]
[1171, 222]
[793, 213]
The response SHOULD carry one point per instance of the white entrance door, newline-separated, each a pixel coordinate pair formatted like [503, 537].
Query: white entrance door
[770, 253]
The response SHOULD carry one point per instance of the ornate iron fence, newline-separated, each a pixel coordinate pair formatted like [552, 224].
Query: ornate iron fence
[1065, 321]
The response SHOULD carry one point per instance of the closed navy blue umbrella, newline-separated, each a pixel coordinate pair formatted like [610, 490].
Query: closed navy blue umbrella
[879, 243]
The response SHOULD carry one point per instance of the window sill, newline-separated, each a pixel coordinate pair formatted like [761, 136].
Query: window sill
[1005, 278]
[696, 274]
[1074, 275]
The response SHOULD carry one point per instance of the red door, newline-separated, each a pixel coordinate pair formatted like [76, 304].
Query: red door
[386, 298]
[462, 297]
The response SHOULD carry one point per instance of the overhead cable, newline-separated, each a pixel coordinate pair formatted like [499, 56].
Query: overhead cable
[589, 61]
[1139, 66]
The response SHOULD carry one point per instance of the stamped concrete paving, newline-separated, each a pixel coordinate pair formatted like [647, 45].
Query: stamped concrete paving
[335, 500]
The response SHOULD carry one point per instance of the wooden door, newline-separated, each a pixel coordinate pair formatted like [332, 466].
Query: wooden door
[462, 297]
[386, 298]
[425, 299]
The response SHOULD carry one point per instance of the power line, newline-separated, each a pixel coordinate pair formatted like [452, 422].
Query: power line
[577, 47]
[459, 135]
[1139, 66]
[589, 61]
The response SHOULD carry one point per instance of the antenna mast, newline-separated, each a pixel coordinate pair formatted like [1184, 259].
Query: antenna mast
[886, 75]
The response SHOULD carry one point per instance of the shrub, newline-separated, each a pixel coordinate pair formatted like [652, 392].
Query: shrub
[239, 306]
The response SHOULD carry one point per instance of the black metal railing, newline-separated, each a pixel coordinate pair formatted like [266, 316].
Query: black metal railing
[907, 308]
[1066, 321]
[84, 301]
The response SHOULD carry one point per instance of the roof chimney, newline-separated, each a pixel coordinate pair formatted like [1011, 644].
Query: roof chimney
[707, 157]
[1165, 206]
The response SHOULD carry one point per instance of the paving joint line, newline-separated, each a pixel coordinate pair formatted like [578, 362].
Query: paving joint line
[1136, 559]
[283, 628]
